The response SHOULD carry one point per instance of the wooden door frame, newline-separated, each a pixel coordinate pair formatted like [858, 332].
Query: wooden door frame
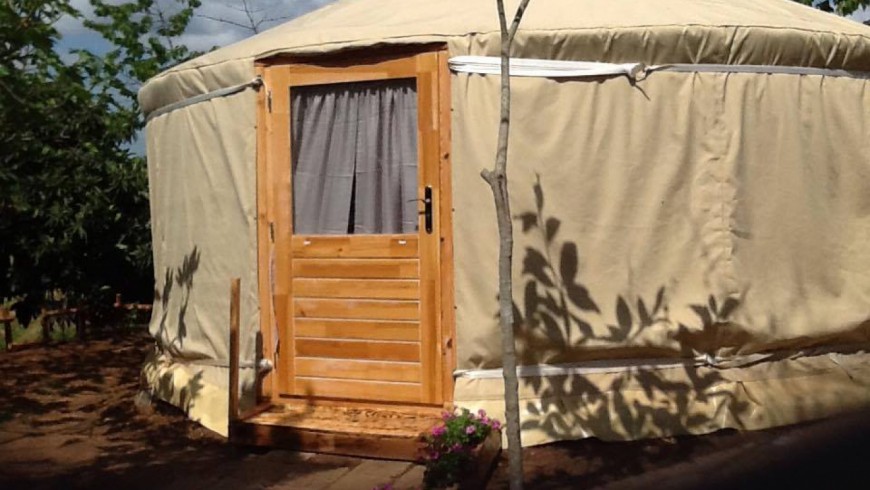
[274, 248]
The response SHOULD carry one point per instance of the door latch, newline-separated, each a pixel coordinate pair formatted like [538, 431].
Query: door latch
[427, 208]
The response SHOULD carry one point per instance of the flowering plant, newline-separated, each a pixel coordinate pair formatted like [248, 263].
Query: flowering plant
[447, 454]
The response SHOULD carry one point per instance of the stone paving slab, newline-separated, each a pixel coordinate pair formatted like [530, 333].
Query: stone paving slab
[370, 474]
[411, 480]
[320, 480]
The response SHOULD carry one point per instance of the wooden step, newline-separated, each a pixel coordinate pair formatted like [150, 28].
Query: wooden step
[368, 431]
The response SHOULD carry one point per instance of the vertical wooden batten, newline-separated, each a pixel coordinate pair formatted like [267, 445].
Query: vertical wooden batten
[428, 144]
[235, 304]
[264, 241]
[447, 308]
[282, 223]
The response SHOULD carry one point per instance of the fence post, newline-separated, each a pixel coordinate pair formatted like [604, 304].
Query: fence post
[6, 318]
[45, 321]
[235, 301]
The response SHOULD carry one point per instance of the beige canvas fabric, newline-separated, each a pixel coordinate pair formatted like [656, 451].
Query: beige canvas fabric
[745, 189]
[202, 174]
[683, 216]
[688, 215]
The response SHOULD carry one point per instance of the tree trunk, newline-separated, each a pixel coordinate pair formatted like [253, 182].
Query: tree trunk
[497, 180]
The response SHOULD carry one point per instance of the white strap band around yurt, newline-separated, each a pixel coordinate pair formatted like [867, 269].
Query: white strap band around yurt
[833, 353]
[525, 67]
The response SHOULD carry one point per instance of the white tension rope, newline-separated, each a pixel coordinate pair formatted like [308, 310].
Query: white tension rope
[526, 67]
[523, 67]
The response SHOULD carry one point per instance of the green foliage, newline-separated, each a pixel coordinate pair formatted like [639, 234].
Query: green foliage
[447, 453]
[74, 211]
[144, 35]
[840, 7]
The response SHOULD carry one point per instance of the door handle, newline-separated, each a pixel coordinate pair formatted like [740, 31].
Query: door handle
[427, 208]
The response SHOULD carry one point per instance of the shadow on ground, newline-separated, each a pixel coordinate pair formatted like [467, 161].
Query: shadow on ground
[824, 454]
[68, 420]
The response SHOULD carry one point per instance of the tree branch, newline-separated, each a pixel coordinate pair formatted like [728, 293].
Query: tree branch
[255, 26]
[12, 94]
[225, 21]
[255, 16]
[518, 16]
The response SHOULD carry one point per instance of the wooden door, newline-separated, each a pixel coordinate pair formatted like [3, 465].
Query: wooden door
[357, 315]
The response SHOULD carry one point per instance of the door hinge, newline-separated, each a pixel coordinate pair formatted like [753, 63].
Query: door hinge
[269, 100]
[272, 231]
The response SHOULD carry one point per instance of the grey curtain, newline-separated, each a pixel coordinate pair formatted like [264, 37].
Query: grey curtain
[355, 158]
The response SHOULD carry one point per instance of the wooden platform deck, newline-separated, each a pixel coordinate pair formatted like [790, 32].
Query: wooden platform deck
[374, 432]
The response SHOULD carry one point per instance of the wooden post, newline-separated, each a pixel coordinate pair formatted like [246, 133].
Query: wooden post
[46, 327]
[235, 300]
[6, 318]
[80, 324]
[7, 328]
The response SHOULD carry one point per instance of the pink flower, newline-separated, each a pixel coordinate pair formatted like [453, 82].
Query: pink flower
[446, 415]
[439, 431]
[470, 430]
[496, 425]
[481, 413]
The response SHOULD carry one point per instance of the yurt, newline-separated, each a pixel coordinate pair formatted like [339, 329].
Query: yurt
[690, 189]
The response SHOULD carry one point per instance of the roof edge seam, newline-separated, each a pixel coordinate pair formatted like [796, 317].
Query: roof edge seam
[173, 71]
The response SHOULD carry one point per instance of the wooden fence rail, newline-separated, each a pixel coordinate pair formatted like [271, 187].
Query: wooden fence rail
[56, 318]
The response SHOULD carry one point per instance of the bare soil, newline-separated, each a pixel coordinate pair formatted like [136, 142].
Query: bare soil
[68, 420]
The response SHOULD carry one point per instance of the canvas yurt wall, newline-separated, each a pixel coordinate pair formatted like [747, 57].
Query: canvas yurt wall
[690, 240]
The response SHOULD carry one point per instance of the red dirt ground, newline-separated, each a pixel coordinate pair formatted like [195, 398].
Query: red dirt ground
[67, 420]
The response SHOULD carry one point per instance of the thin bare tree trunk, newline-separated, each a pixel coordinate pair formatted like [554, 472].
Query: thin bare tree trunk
[497, 180]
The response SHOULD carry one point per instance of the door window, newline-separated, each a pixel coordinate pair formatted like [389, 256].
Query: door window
[354, 157]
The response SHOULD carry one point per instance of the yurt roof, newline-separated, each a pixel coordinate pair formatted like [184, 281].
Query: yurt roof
[778, 32]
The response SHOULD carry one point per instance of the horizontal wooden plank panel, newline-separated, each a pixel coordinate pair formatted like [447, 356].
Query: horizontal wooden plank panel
[359, 370]
[350, 349]
[357, 329]
[357, 268]
[357, 288]
[356, 246]
[366, 390]
[356, 309]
